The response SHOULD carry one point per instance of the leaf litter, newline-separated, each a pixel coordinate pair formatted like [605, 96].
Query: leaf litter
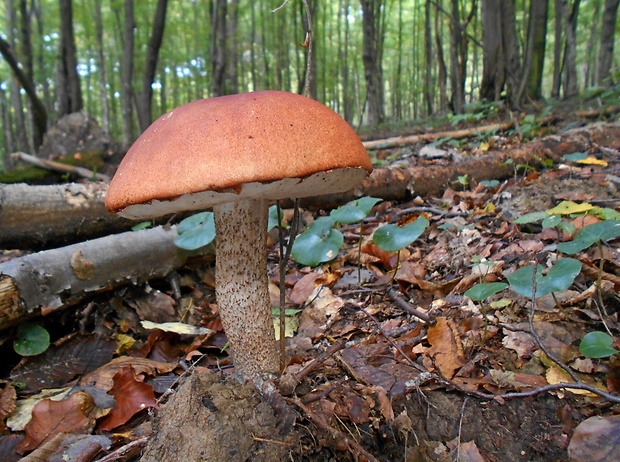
[417, 372]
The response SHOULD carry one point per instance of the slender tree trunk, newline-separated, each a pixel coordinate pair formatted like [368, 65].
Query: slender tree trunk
[145, 99]
[38, 108]
[232, 68]
[493, 74]
[20, 138]
[127, 94]
[218, 48]
[592, 46]
[610, 15]
[531, 86]
[103, 91]
[372, 54]
[347, 100]
[69, 92]
[569, 80]
[442, 72]
[560, 8]
[428, 59]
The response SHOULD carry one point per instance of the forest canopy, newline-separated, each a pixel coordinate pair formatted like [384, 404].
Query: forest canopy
[373, 61]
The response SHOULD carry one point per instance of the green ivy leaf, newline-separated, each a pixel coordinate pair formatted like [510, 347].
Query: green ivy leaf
[485, 290]
[591, 234]
[597, 345]
[558, 278]
[317, 244]
[393, 238]
[354, 210]
[31, 340]
[196, 231]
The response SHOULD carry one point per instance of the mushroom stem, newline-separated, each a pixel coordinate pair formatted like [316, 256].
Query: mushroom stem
[241, 286]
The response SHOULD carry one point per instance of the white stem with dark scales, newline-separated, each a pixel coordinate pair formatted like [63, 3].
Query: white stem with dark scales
[241, 286]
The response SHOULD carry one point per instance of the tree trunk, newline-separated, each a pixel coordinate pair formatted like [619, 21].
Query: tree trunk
[127, 94]
[442, 70]
[103, 92]
[560, 7]
[610, 15]
[492, 53]
[569, 75]
[38, 108]
[500, 50]
[428, 59]
[145, 99]
[371, 55]
[69, 91]
[531, 86]
[218, 48]
[457, 76]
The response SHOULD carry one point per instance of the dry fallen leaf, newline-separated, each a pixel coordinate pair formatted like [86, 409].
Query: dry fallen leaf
[131, 395]
[77, 413]
[446, 351]
[596, 439]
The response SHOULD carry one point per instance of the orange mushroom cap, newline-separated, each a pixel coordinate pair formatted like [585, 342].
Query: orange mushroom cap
[220, 145]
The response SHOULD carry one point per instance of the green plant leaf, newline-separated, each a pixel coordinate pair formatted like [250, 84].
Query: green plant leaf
[142, 225]
[196, 231]
[597, 345]
[575, 156]
[354, 210]
[31, 339]
[601, 231]
[531, 218]
[393, 238]
[485, 290]
[558, 278]
[317, 244]
[490, 183]
[551, 221]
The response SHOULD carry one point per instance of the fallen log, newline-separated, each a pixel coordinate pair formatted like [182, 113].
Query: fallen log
[396, 141]
[38, 217]
[402, 184]
[47, 281]
[27, 219]
[59, 167]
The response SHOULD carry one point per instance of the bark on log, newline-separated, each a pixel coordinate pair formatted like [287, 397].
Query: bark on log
[37, 217]
[54, 279]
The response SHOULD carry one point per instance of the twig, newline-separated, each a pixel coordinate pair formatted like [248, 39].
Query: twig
[407, 307]
[58, 167]
[284, 259]
[127, 451]
[288, 382]
[356, 449]
[579, 385]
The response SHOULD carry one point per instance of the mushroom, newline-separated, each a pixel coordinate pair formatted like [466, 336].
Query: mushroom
[235, 154]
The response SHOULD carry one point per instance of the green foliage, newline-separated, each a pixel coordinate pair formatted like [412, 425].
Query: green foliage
[597, 345]
[591, 234]
[393, 238]
[31, 339]
[196, 231]
[559, 277]
[319, 243]
[485, 290]
[355, 210]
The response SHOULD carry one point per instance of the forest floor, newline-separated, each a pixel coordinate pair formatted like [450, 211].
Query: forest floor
[404, 366]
